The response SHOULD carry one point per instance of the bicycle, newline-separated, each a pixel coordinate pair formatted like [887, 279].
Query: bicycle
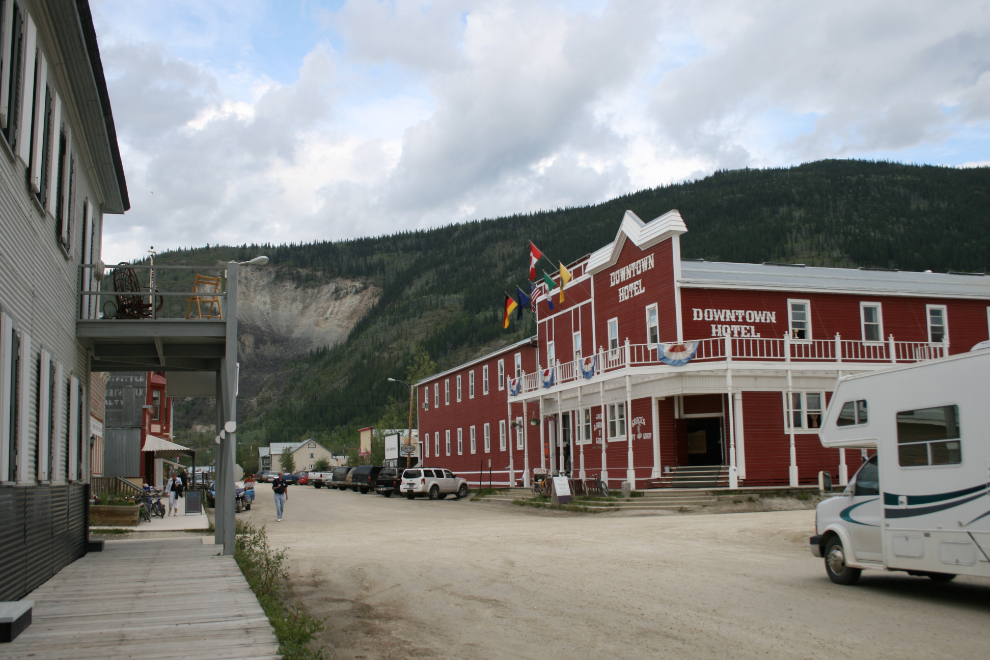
[597, 486]
[155, 506]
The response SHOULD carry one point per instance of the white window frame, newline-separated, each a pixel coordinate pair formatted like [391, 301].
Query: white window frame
[655, 325]
[613, 335]
[446, 391]
[471, 384]
[617, 421]
[501, 375]
[448, 441]
[460, 441]
[501, 435]
[789, 411]
[519, 433]
[8, 396]
[436, 395]
[474, 440]
[518, 364]
[426, 398]
[587, 427]
[551, 354]
[576, 342]
[436, 444]
[484, 380]
[862, 321]
[458, 388]
[790, 318]
[488, 438]
[945, 322]
[44, 415]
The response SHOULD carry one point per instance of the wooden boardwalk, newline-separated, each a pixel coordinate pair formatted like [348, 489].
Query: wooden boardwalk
[149, 600]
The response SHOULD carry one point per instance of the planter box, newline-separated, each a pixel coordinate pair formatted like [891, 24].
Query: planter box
[115, 516]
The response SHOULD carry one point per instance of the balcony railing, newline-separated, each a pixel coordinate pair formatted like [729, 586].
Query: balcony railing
[140, 291]
[739, 349]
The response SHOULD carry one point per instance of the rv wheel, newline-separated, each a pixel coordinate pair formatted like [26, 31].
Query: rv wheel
[941, 577]
[835, 563]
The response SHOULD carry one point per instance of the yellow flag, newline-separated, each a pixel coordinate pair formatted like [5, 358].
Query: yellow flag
[565, 277]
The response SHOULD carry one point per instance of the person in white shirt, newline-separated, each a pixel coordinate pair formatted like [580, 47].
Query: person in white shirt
[172, 487]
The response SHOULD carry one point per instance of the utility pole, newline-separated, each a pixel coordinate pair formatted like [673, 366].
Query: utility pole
[411, 393]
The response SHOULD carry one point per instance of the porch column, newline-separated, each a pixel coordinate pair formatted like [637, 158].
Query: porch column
[509, 442]
[525, 434]
[630, 468]
[601, 387]
[584, 440]
[733, 470]
[543, 453]
[559, 454]
[219, 502]
[657, 469]
[740, 432]
[793, 470]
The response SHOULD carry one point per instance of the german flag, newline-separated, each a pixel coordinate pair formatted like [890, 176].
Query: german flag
[510, 305]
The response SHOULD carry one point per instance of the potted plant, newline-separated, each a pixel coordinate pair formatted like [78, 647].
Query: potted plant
[114, 510]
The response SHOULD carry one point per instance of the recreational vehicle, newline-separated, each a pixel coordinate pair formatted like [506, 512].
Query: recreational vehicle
[919, 504]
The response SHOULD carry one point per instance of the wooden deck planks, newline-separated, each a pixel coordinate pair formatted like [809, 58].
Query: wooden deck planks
[154, 600]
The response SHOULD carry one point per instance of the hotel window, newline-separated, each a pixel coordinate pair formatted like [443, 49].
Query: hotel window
[474, 441]
[872, 321]
[938, 326]
[446, 392]
[565, 428]
[652, 325]
[436, 395]
[426, 398]
[518, 358]
[551, 354]
[156, 403]
[501, 435]
[460, 441]
[42, 173]
[471, 384]
[799, 318]
[586, 436]
[577, 347]
[436, 443]
[613, 335]
[929, 437]
[63, 209]
[484, 379]
[11, 95]
[458, 388]
[448, 442]
[616, 421]
[519, 432]
[501, 374]
[488, 438]
[13, 369]
[805, 410]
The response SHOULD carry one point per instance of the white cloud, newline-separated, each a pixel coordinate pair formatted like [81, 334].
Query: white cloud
[410, 114]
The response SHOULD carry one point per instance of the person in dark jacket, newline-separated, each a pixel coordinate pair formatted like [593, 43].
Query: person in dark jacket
[281, 489]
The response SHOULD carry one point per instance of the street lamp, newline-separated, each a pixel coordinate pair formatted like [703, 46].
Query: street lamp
[408, 456]
[257, 261]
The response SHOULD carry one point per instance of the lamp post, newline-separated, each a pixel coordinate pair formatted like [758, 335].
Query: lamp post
[408, 456]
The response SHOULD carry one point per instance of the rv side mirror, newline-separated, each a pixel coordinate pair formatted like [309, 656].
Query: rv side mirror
[824, 482]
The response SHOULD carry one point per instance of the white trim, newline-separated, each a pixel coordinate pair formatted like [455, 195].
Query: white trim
[484, 380]
[483, 358]
[24, 416]
[55, 131]
[790, 318]
[501, 374]
[656, 309]
[38, 123]
[458, 388]
[503, 442]
[803, 394]
[862, 321]
[446, 391]
[74, 429]
[44, 415]
[644, 235]
[436, 444]
[617, 407]
[24, 138]
[675, 245]
[6, 396]
[473, 436]
[551, 354]
[436, 394]
[577, 350]
[460, 441]
[608, 329]
[58, 414]
[557, 312]
[520, 433]
[945, 321]
[5, 45]
[488, 438]
[447, 438]
[517, 364]
[849, 292]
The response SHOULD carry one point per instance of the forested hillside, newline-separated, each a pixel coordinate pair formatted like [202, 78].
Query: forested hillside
[442, 289]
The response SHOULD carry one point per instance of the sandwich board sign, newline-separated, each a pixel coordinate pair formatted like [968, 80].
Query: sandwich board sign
[561, 491]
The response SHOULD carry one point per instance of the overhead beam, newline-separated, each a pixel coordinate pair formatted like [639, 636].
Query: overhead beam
[147, 328]
[151, 350]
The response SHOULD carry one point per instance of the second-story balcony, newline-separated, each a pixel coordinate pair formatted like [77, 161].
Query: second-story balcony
[725, 353]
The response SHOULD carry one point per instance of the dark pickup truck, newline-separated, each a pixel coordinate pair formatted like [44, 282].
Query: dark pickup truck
[388, 481]
[362, 478]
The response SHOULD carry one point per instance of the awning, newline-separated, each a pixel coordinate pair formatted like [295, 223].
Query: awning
[163, 448]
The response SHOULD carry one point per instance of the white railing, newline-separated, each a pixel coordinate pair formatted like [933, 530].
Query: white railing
[755, 349]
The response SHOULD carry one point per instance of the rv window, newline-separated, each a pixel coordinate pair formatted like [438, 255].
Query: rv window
[929, 436]
[852, 413]
[868, 479]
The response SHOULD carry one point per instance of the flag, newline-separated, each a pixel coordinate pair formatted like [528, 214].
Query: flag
[523, 302]
[510, 305]
[551, 285]
[534, 256]
[532, 294]
[565, 277]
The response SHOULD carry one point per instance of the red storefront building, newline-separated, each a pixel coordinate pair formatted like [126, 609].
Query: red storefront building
[661, 371]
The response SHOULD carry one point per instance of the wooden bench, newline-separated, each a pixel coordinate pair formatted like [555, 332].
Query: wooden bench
[15, 616]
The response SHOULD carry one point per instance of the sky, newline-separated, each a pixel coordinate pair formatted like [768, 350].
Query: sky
[253, 121]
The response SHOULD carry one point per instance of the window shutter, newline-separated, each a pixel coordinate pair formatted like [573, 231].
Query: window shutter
[29, 70]
[53, 157]
[5, 49]
[57, 420]
[38, 99]
[44, 413]
[6, 394]
[24, 415]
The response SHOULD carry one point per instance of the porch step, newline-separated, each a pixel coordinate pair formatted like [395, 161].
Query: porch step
[693, 476]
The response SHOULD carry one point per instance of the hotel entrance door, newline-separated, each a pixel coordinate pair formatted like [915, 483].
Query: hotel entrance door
[704, 439]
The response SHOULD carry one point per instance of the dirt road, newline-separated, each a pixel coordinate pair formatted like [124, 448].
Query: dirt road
[461, 579]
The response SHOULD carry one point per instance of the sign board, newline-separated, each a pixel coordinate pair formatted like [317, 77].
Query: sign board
[365, 435]
[407, 450]
[561, 491]
[391, 446]
[194, 504]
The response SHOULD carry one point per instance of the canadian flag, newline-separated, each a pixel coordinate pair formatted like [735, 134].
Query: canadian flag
[534, 256]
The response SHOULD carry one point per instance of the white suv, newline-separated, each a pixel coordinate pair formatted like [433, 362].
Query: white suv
[435, 482]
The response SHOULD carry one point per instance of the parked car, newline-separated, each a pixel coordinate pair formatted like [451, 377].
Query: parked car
[263, 477]
[388, 482]
[320, 479]
[241, 501]
[362, 478]
[436, 483]
[301, 478]
[339, 480]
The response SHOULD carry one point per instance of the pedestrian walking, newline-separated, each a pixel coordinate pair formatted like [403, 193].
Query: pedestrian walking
[281, 489]
[173, 487]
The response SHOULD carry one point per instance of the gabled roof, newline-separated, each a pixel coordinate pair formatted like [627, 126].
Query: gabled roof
[795, 277]
[643, 234]
[483, 358]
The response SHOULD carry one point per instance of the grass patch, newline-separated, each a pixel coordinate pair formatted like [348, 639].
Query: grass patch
[543, 503]
[485, 492]
[595, 498]
[111, 530]
[802, 496]
[637, 493]
[267, 573]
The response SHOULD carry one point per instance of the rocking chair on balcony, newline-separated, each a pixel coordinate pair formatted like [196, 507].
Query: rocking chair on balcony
[210, 286]
[130, 301]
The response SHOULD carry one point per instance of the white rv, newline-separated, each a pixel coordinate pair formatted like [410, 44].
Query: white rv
[921, 504]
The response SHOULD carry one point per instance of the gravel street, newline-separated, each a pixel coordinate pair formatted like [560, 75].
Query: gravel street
[461, 579]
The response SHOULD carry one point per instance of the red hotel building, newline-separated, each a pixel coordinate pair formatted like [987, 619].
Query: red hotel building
[721, 368]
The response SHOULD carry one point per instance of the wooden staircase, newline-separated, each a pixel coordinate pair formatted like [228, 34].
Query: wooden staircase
[694, 476]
